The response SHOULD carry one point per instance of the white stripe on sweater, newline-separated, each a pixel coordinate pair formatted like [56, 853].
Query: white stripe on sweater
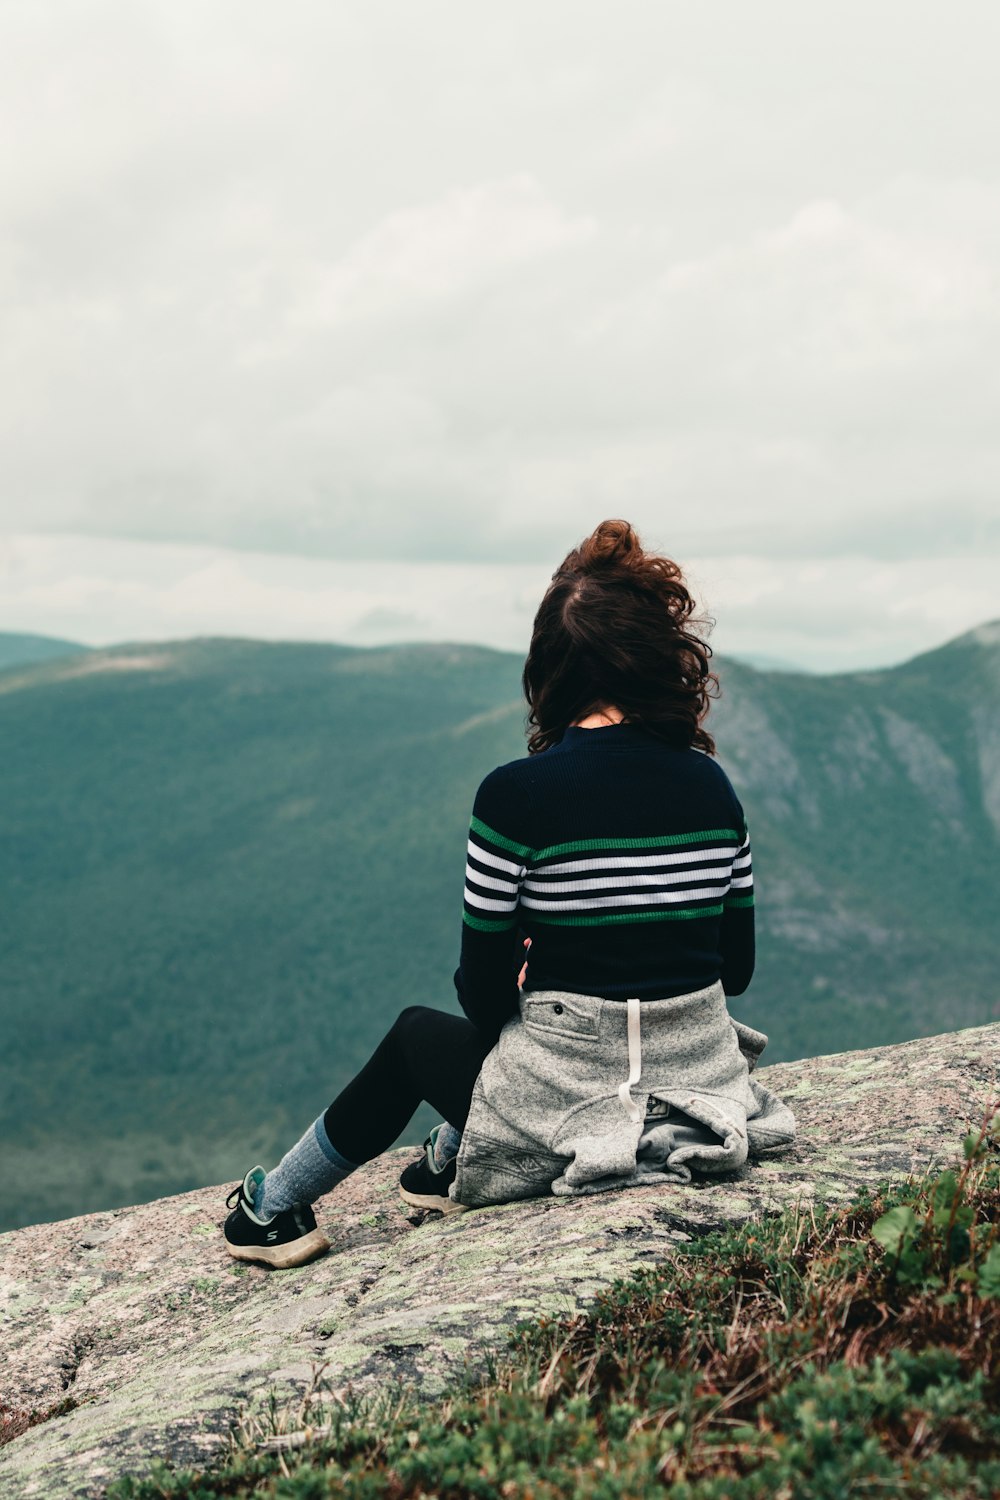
[476, 851]
[616, 861]
[476, 877]
[641, 898]
[611, 881]
[485, 905]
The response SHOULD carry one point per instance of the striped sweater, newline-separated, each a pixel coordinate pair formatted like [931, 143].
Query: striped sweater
[626, 862]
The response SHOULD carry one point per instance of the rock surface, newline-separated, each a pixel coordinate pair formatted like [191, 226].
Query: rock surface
[141, 1317]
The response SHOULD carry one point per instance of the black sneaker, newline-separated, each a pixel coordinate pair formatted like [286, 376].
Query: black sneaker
[426, 1186]
[288, 1239]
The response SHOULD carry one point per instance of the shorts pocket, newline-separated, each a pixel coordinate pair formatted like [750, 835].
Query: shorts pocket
[557, 1014]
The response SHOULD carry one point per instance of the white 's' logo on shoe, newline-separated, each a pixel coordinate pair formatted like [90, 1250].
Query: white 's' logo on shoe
[272, 1236]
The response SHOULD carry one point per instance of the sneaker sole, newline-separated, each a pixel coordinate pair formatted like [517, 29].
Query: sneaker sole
[280, 1257]
[432, 1200]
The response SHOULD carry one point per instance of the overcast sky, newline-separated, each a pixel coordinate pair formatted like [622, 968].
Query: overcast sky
[347, 321]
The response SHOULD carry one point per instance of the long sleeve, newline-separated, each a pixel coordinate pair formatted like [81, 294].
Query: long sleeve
[738, 941]
[486, 979]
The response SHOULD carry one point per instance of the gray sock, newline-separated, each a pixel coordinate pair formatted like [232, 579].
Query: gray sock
[446, 1144]
[311, 1168]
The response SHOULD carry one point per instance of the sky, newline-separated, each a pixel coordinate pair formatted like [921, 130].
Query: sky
[343, 322]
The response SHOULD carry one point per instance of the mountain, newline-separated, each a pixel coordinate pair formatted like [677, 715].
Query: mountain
[226, 865]
[874, 805]
[19, 650]
[763, 662]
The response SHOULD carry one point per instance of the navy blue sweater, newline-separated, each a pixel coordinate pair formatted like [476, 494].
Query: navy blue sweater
[626, 862]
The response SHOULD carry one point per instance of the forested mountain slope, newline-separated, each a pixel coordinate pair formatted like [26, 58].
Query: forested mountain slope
[225, 866]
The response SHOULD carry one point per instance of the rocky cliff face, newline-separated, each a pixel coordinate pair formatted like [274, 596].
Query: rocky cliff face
[142, 1319]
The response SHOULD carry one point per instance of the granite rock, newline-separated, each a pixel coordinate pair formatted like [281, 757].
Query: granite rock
[142, 1318]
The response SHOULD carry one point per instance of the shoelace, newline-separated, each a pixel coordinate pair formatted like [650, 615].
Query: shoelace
[236, 1193]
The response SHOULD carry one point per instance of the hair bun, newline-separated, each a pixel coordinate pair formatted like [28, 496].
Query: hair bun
[612, 544]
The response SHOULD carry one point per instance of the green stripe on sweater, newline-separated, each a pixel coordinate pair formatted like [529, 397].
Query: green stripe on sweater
[601, 846]
[499, 841]
[489, 924]
[610, 846]
[578, 919]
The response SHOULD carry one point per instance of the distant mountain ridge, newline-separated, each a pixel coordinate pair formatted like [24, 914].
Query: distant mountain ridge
[19, 649]
[762, 661]
[199, 836]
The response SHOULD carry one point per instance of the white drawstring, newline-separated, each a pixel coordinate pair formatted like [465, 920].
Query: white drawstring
[634, 1061]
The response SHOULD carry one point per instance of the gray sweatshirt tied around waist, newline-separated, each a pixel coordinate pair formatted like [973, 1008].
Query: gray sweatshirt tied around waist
[582, 1094]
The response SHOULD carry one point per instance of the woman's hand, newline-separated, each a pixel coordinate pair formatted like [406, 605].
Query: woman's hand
[524, 967]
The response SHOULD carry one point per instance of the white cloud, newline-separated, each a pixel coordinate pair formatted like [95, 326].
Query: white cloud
[430, 284]
[439, 252]
[832, 615]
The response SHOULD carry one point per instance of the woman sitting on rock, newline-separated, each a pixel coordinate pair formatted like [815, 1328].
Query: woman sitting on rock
[617, 853]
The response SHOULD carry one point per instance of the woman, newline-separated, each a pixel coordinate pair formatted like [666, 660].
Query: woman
[617, 853]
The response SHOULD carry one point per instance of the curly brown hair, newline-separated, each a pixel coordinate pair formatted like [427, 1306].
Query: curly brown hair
[613, 629]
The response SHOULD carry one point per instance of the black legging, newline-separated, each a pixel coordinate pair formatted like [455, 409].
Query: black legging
[426, 1055]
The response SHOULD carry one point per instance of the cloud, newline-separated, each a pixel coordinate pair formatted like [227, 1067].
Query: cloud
[829, 615]
[382, 623]
[438, 253]
[387, 285]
